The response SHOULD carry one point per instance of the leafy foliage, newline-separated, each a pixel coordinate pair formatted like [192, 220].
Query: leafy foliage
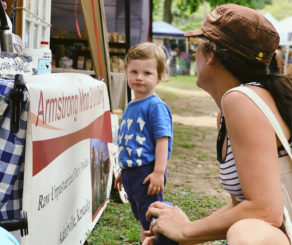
[256, 4]
[188, 5]
[193, 5]
[184, 20]
[183, 8]
[280, 9]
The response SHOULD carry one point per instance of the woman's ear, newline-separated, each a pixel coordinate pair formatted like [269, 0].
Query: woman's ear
[211, 60]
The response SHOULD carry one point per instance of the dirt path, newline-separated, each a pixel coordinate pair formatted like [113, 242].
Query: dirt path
[203, 121]
[198, 168]
[200, 121]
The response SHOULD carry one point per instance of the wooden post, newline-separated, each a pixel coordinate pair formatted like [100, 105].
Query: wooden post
[19, 17]
[94, 17]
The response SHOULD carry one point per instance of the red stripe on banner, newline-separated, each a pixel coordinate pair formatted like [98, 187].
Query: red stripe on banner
[99, 208]
[45, 151]
[97, 40]
[76, 19]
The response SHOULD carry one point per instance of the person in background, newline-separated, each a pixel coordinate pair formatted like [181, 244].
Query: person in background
[289, 65]
[166, 46]
[280, 58]
[290, 57]
[172, 59]
[234, 47]
[145, 132]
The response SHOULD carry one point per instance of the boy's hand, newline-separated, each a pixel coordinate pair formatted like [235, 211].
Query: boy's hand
[148, 240]
[156, 183]
[118, 181]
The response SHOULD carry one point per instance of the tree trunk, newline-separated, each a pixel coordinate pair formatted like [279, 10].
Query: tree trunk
[167, 16]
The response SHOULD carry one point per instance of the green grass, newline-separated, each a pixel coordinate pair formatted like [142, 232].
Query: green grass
[189, 143]
[195, 205]
[118, 225]
[180, 81]
[183, 136]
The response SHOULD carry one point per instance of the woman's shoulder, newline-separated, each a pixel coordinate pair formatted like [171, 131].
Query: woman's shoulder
[237, 106]
[235, 96]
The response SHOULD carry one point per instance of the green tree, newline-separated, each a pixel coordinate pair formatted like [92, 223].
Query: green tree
[184, 7]
[255, 4]
[167, 15]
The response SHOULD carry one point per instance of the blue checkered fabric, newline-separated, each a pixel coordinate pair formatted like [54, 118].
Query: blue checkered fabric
[12, 149]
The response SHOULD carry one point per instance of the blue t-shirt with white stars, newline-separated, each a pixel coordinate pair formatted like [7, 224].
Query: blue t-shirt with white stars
[142, 123]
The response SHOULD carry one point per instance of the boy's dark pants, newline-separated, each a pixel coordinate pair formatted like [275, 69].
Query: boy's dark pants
[132, 179]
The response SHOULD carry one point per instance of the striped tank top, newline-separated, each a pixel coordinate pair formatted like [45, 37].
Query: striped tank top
[228, 173]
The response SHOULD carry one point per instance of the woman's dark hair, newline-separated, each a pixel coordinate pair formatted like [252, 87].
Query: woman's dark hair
[273, 66]
[245, 71]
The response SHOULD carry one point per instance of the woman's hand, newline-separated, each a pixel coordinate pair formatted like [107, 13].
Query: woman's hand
[171, 221]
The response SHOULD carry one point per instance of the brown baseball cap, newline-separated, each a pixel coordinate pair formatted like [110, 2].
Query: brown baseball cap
[243, 30]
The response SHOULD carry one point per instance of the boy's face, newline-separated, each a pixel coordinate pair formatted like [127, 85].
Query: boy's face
[142, 77]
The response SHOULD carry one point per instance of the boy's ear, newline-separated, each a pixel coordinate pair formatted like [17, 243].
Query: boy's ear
[160, 77]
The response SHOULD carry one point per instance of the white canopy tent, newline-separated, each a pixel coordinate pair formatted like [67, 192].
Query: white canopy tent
[284, 28]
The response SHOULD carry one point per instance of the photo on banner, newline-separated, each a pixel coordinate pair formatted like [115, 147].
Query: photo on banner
[100, 167]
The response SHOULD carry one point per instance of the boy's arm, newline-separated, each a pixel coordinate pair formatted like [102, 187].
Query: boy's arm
[161, 153]
[118, 181]
[157, 177]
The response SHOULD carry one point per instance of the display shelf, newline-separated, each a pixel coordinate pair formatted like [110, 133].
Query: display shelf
[126, 45]
[77, 49]
[70, 70]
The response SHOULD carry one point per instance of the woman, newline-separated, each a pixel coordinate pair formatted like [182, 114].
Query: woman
[235, 46]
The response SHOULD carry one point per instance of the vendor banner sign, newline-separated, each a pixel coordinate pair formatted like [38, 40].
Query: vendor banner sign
[68, 171]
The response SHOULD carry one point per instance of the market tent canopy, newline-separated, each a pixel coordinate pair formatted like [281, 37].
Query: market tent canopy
[285, 30]
[272, 19]
[166, 30]
[139, 18]
[64, 17]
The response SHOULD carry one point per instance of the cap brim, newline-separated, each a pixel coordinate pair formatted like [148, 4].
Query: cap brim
[197, 32]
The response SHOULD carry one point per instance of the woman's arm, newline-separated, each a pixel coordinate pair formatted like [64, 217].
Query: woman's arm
[254, 146]
[173, 223]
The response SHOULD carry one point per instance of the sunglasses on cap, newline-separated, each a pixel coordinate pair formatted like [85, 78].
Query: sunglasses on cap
[194, 43]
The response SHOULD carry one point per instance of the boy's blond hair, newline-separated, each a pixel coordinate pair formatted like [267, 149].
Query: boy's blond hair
[145, 51]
